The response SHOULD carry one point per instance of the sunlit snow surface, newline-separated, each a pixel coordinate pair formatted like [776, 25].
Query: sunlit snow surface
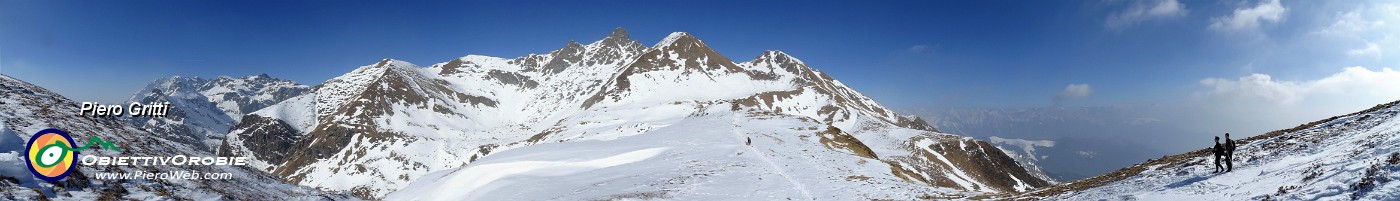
[1340, 158]
[696, 157]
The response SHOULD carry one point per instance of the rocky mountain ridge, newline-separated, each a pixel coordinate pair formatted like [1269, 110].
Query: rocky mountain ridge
[379, 127]
[202, 110]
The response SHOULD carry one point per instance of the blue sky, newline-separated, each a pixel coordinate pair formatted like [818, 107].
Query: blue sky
[1252, 57]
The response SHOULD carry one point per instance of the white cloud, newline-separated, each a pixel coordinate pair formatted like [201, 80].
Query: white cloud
[1260, 86]
[1163, 9]
[1248, 68]
[1369, 26]
[1259, 103]
[1249, 19]
[1370, 49]
[1351, 85]
[1075, 91]
[1349, 24]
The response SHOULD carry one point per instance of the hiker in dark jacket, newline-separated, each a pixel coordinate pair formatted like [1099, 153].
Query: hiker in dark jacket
[1229, 153]
[748, 141]
[1219, 152]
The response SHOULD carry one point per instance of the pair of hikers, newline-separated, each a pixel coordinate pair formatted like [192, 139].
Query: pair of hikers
[1227, 152]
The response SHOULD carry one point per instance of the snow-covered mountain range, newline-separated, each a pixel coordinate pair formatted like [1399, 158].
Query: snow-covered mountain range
[612, 119]
[203, 109]
[615, 119]
[26, 108]
[1349, 157]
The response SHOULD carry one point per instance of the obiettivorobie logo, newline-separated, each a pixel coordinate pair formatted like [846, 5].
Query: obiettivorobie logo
[52, 156]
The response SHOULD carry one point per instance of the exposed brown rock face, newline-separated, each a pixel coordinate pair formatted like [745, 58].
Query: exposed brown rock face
[513, 78]
[268, 138]
[452, 67]
[980, 160]
[914, 123]
[563, 58]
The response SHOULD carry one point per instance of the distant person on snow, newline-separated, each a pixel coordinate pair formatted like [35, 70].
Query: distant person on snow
[1229, 153]
[1219, 152]
[748, 141]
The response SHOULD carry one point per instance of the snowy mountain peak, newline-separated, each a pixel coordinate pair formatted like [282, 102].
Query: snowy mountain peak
[204, 109]
[389, 62]
[673, 38]
[173, 83]
[618, 33]
[682, 51]
[617, 38]
[780, 60]
[615, 49]
[778, 56]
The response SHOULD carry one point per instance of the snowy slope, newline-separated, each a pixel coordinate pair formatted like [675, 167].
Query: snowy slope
[203, 109]
[691, 158]
[379, 127]
[1355, 156]
[26, 108]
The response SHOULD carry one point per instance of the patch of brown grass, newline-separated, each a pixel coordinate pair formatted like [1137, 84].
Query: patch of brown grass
[833, 138]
